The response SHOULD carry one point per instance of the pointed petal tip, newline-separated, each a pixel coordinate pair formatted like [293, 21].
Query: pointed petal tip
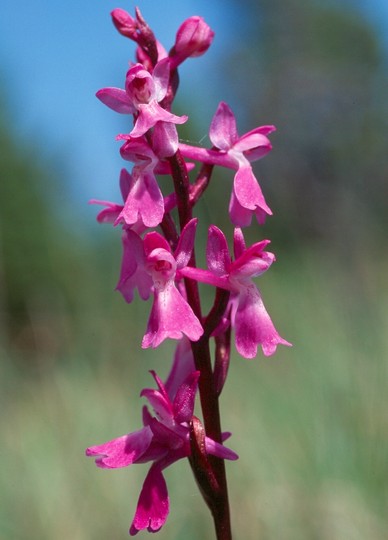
[269, 349]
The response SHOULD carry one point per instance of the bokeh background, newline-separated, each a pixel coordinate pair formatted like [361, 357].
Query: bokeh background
[311, 423]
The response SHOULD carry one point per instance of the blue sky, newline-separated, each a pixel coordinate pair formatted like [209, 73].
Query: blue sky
[55, 55]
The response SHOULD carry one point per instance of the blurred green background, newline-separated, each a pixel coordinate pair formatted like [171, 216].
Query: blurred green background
[310, 424]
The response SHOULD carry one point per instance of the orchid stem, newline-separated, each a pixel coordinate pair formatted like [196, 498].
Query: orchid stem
[219, 502]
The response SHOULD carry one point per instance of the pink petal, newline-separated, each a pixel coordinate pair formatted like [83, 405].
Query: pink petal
[248, 191]
[123, 451]
[239, 245]
[162, 406]
[133, 272]
[217, 251]
[239, 215]
[160, 384]
[171, 317]
[254, 145]
[116, 99]
[138, 151]
[161, 76]
[168, 437]
[216, 449]
[253, 325]
[154, 240]
[206, 276]
[253, 262]
[144, 201]
[151, 113]
[125, 183]
[146, 416]
[108, 214]
[153, 505]
[144, 122]
[165, 139]
[186, 243]
[223, 129]
[214, 157]
[185, 398]
[182, 366]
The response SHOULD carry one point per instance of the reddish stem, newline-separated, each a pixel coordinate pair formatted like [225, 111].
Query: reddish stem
[201, 183]
[217, 501]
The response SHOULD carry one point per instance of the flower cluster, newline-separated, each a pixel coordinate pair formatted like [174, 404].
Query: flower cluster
[159, 261]
[163, 439]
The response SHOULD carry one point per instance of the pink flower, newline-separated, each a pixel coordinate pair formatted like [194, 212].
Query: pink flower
[249, 318]
[164, 439]
[236, 153]
[171, 316]
[142, 95]
[144, 200]
[193, 38]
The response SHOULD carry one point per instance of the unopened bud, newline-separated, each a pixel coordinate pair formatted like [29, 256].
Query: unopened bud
[193, 38]
[125, 24]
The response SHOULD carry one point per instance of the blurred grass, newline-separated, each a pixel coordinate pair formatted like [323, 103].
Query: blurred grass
[310, 424]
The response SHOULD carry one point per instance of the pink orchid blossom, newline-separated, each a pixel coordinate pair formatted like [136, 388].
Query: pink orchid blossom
[164, 439]
[249, 318]
[171, 315]
[236, 153]
[144, 200]
[116, 213]
[141, 97]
